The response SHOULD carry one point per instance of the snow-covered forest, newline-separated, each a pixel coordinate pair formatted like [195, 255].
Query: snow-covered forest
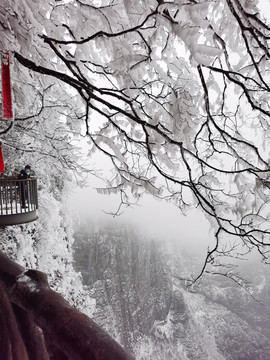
[151, 97]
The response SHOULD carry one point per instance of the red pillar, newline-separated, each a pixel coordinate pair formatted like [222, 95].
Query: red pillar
[6, 88]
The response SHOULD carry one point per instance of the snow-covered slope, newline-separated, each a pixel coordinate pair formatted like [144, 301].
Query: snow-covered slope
[46, 245]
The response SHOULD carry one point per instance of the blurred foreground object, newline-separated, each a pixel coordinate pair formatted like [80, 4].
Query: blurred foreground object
[37, 323]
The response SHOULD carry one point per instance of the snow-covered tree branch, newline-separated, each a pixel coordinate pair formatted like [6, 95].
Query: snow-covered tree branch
[175, 94]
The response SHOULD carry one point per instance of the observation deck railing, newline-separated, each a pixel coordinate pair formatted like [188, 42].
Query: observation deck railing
[18, 201]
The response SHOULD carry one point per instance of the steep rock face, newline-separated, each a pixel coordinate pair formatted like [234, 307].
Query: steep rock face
[197, 328]
[128, 277]
[151, 312]
[253, 308]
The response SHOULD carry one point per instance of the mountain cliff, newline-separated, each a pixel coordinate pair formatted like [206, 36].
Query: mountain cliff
[152, 313]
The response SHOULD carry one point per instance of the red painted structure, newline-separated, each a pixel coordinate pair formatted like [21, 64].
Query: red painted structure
[2, 165]
[7, 113]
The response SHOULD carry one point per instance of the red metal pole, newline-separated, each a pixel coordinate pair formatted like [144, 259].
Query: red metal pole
[6, 88]
[2, 165]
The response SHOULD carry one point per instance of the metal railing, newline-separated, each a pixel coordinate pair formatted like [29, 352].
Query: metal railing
[18, 200]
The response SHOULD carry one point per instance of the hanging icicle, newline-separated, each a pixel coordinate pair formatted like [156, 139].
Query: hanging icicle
[7, 113]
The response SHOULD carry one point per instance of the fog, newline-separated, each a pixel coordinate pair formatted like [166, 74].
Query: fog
[191, 234]
[157, 218]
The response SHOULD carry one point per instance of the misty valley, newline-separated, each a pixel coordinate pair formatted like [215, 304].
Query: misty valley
[142, 302]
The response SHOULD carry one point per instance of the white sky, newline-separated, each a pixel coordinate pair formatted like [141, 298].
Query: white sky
[157, 218]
